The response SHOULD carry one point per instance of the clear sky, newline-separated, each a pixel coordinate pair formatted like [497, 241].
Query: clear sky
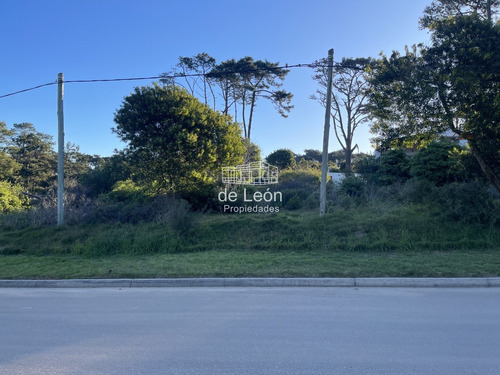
[100, 39]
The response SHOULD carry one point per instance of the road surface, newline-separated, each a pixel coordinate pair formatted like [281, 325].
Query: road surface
[250, 331]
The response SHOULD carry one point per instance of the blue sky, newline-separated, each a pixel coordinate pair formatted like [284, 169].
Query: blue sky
[98, 39]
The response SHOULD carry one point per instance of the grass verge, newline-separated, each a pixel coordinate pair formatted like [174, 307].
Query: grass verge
[230, 263]
[404, 241]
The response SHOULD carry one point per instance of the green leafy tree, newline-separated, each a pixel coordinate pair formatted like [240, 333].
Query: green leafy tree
[282, 158]
[9, 168]
[33, 151]
[5, 134]
[106, 172]
[10, 197]
[452, 85]
[443, 9]
[311, 154]
[174, 139]
[77, 164]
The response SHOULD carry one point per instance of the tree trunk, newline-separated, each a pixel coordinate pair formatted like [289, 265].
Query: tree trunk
[485, 167]
[243, 118]
[348, 156]
[252, 106]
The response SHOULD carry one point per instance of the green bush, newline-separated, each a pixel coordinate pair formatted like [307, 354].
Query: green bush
[416, 190]
[391, 167]
[10, 197]
[176, 213]
[367, 167]
[294, 203]
[288, 194]
[127, 190]
[201, 195]
[443, 162]
[307, 179]
[466, 202]
[351, 192]
[394, 167]
[312, 201]
[107, 172]
[352, 186]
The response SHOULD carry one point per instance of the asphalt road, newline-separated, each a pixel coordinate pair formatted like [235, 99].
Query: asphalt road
[250, 331]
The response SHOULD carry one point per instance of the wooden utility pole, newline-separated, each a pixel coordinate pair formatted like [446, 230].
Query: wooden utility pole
[326, 136]
[60, 149]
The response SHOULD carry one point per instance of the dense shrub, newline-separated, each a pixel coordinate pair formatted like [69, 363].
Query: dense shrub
[304, 164]
[166, 209]
[416, 191]
[351, 192]
[394, 167]
[467, 202]
[391, 167]
[294, 203]
[367, 167]
[444, 162]
[294, 195]
[177, 214]
[440, 163]
[128, 191]
[201, 196]
[312, 201]
[352, 186]
[299, 185]
[307, 179]
[107, 172]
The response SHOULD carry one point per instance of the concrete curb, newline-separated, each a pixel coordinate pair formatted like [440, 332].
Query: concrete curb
[258, 282]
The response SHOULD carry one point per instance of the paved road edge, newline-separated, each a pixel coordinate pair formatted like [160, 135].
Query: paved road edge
[258, 282]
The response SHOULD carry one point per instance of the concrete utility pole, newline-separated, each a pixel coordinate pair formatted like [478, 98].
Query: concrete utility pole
[60, 149]
[326, 136]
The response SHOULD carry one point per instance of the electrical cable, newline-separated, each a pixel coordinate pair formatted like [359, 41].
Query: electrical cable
[29, 89]
[172, 76]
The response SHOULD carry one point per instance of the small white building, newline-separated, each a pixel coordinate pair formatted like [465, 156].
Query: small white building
[337, 177]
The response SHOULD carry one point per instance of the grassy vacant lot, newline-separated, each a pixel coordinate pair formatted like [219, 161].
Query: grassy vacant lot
[370, 242]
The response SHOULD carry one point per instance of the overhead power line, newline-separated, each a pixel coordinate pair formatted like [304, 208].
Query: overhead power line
[171, 76]
[29, 89]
